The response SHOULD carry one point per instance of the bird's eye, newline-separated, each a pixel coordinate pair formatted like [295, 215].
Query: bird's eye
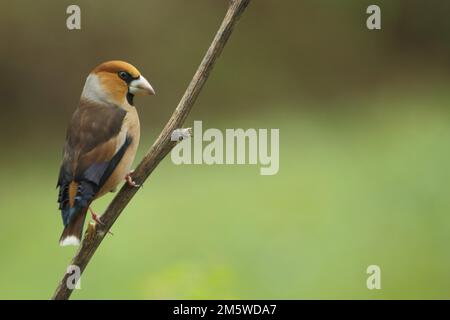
[123, 75]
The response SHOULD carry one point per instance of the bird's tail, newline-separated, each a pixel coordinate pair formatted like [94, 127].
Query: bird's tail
[74, 230]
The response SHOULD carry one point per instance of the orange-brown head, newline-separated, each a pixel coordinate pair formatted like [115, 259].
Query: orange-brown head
[115, 82]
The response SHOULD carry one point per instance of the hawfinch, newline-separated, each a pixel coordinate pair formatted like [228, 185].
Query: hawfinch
[101, 142]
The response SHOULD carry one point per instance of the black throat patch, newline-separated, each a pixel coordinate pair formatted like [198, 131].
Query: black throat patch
[130, 97]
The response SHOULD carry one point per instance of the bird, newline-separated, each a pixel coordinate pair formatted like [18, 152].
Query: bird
[101, 142]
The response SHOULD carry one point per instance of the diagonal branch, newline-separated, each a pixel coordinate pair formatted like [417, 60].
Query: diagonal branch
[158, 151]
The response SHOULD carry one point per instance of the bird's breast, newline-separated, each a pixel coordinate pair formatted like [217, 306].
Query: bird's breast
[130, 128]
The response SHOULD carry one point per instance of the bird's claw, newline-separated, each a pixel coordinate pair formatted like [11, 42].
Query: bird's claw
[96, 219]
[130, 180]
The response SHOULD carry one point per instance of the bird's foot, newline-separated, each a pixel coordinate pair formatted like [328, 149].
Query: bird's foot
[130, 181]
[95, 217]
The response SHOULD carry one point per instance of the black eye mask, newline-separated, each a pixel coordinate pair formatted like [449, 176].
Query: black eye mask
[125, 76]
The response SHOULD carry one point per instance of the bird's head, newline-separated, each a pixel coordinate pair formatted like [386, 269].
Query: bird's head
[115, 82]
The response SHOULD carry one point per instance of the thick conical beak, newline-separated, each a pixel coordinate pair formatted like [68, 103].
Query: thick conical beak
[141, 87]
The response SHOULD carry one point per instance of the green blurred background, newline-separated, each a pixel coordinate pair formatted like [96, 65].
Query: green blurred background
[364, 153]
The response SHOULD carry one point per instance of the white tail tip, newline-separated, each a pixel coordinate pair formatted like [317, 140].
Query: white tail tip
[70, 241]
